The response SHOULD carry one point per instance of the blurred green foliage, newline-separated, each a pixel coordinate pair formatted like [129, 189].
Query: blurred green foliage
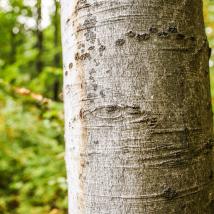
[32, 174]
[32, 168]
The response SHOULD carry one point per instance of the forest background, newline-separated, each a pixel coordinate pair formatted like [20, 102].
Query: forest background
[32, 168]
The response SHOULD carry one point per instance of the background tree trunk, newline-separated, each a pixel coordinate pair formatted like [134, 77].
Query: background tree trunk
[138, 120]
[39, 35]
[56, 84]
[12, 47]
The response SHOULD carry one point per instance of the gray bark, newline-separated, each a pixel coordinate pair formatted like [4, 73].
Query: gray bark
[138, 119]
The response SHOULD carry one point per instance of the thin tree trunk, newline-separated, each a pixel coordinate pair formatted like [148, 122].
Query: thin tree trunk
[56, 84]
[12, 47]
[39, 35]
[138, 119]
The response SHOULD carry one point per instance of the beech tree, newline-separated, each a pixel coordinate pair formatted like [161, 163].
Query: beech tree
[138, 119]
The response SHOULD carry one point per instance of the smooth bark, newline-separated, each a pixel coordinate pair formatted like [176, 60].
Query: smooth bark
[138, 119]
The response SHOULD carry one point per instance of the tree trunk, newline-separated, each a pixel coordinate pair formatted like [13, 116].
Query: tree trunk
[12, 47]
[39, 37]
[56, 84]
[138, 119]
